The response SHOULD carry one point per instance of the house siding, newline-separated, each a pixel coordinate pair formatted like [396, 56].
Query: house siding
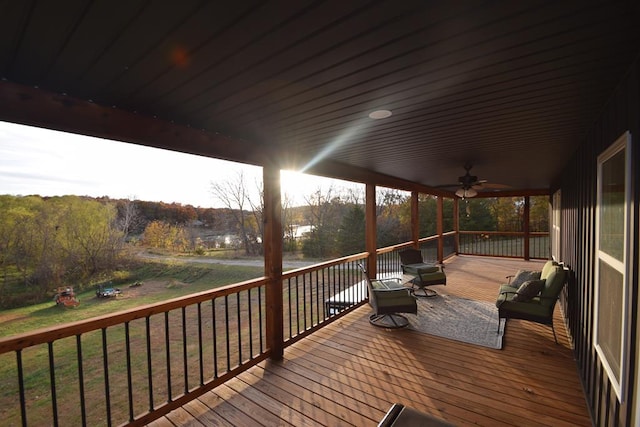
[578, 220]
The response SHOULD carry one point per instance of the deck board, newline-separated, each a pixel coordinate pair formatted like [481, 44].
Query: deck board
[350, 373]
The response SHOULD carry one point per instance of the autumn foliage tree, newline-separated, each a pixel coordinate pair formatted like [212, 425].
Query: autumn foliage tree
[162, 235]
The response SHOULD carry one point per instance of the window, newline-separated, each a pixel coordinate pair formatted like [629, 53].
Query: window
[612, 254]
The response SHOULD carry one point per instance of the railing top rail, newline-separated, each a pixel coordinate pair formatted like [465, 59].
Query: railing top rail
[505, 233]
[428, 239]
[394, 248]
[53, 333]
[320, 266]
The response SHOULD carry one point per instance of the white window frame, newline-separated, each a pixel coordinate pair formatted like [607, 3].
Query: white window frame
[622, 143]
[556, 225]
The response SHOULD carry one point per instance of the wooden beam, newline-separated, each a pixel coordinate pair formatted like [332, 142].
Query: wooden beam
[36, 107]
[272, 218]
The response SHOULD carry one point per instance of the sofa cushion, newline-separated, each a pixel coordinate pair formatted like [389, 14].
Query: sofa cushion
[524, 276]
[528, 290]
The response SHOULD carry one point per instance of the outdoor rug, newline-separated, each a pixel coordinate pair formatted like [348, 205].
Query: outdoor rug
[474, 322]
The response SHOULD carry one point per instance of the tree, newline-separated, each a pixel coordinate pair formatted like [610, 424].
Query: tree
[162, 235]
[86, 234]
[233, 194]
[390, 206]
[427, 213]
[508, 212]
[323, 217]
[351, 233]
[56, 240]
[476, 215]
[539, 213]
[129, 218]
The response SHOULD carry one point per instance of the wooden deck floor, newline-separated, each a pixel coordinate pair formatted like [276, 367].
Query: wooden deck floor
[350, 373]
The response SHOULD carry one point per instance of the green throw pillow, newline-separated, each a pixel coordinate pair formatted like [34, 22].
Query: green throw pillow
[528, 290]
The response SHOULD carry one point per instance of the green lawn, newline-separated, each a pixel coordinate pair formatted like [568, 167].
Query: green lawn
[161, 281]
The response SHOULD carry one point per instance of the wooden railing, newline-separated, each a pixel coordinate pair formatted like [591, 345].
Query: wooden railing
[316, 294]
[133, 366]
[504, 244]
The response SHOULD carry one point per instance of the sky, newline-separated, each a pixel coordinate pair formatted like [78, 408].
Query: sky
[51, 163]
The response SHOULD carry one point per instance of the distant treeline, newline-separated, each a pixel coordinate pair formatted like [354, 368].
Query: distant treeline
[47, 242]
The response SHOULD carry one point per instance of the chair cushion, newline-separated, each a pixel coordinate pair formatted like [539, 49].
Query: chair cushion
[554, 283]
[548, 268]
[420, 268]
[528, 290]
[378, 284]
[524, 276]
[410, 256]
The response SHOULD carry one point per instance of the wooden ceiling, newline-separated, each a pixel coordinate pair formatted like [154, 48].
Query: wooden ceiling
[511, 87]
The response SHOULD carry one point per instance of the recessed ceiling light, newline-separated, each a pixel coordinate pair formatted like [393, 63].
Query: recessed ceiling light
[380, 114]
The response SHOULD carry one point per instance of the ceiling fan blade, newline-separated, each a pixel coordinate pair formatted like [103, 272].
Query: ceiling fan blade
[493, 186]
[447, 185]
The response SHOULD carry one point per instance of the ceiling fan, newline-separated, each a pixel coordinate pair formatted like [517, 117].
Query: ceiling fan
[469, 184]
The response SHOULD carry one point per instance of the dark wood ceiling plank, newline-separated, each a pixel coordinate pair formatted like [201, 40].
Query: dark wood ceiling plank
[178, 86]
[392, 75]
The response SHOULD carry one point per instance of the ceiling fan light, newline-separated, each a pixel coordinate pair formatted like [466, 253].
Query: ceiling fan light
[466, 192]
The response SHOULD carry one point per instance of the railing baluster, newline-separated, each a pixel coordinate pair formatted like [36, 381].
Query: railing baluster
[127, 344]
[324, 296]
[297, 300]
[23, 400]
[149, 362]
[83, 404]
[214, 337]
[239, 321]
[185, 361]
[304, 303]
[226, 323]
[289, 298]
[52, 378]
[250, 323]
[105, 362]
[167, 344]
[200, 345]
[260, 318]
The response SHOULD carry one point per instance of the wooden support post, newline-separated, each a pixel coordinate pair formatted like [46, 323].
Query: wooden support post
[415, 219]
[272, 218]
[371, 244]
[526, 228]
[439, 228]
